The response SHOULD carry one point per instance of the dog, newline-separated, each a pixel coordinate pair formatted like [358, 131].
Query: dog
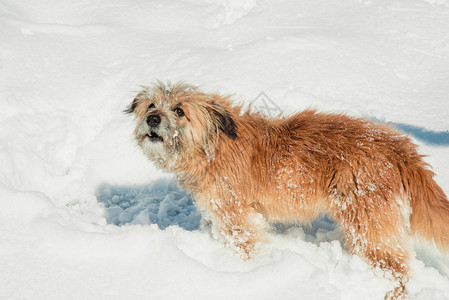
[246, 171]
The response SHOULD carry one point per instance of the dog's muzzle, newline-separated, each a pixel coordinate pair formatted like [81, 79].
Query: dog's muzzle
[153, 121]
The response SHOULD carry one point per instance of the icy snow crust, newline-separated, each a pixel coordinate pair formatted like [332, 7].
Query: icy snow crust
[83, 215]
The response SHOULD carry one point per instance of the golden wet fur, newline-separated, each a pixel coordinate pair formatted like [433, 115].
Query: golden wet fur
[246, 170]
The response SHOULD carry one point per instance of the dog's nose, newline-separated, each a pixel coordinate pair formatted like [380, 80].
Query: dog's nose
[153, 120]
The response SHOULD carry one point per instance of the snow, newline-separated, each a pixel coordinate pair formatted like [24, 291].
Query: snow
[83, 214]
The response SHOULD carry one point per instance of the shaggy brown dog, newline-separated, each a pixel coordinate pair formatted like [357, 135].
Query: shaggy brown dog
[246, 170]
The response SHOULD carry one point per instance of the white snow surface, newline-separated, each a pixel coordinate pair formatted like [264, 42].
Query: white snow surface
[83, 214]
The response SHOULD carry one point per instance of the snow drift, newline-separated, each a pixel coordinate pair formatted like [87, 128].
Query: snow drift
[83, 215]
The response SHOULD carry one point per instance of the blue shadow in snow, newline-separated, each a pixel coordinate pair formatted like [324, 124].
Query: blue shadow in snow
[161, 202]
[435, 138]
[164, 203]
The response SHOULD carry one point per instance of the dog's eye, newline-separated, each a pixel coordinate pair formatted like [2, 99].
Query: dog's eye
[151, 106]
[179, 112]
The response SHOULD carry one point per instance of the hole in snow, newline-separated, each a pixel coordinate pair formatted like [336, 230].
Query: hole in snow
[161, 202]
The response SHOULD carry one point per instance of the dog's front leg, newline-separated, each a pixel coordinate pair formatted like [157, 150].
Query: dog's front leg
[237, 224]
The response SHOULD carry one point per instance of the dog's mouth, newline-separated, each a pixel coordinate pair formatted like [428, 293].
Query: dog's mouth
[154, 137]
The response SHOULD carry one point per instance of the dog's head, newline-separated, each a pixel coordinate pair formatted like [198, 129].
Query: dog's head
[177, 122]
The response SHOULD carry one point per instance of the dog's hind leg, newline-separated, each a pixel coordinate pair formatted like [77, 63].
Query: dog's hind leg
[375, 229]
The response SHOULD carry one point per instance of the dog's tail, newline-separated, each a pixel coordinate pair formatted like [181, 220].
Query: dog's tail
[430, 206]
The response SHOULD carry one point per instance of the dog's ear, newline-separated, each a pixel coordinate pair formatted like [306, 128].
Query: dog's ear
[224, 121]
[130, 109]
